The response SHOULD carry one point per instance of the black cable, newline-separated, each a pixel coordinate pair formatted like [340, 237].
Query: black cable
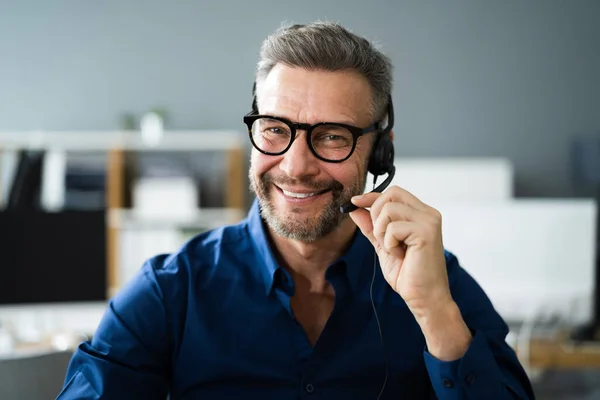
[387, 366]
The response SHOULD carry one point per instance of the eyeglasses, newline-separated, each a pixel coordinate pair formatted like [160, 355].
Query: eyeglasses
[328, 141]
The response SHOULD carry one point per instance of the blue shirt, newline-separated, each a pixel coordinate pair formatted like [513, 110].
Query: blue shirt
[213, 321]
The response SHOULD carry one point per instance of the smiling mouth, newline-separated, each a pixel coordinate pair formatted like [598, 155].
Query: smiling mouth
[295, 195]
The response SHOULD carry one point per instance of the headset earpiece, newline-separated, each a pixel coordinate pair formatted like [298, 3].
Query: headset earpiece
[382, 155]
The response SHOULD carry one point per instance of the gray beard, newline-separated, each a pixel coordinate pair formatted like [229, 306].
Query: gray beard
[310, 229]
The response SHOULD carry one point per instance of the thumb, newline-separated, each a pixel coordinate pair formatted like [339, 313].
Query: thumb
[362, 219]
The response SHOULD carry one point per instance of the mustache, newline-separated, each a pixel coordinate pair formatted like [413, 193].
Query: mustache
[317, 186]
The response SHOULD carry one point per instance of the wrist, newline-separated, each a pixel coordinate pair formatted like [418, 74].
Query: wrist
[433, 307]
[446, 333]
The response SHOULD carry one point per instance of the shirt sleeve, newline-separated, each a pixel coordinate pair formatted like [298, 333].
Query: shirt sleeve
[128, 356]
[490, 368]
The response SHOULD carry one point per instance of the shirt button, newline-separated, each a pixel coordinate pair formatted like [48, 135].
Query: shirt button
[470, 379]
[309, 388]
[448, 384]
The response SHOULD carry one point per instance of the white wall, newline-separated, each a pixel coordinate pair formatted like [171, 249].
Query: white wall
[442, 180]
[529, 256]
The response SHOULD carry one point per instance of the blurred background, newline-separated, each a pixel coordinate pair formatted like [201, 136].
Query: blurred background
[121, 136]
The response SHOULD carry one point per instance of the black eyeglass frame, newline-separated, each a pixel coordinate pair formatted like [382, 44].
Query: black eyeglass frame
[356, 132]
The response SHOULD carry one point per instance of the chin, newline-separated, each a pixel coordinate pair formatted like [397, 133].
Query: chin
[305, 224]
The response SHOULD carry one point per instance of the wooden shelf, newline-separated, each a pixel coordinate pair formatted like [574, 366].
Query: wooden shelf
[115, 198]
[561, 353]
[116, 145]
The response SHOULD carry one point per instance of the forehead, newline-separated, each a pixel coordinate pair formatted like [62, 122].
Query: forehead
[315, 95]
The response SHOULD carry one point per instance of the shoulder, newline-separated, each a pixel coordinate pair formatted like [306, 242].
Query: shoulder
[223, 251]
[452, 263]
[209, 250]
[168, 287]
[464, 288]
[466, 291]
[456, 272]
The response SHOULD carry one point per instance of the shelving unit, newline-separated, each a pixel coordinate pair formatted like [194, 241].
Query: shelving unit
[116, 145]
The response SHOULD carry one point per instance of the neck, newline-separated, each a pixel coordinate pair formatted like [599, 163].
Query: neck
[309, 261]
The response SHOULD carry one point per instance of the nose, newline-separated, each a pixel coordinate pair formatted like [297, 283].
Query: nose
[299, 161]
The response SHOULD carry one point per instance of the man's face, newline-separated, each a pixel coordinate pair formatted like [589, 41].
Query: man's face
[299, 194]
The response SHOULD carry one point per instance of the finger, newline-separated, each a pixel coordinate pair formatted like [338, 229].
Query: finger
[400, 196]
[362, 219]
[365, 200]
[400, 212]
[393, 212]
[396, 194]
[397, 234]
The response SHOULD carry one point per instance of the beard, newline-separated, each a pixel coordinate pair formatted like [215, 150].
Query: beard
[294, 225]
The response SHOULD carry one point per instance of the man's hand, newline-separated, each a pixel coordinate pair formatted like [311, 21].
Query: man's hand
[407, 236]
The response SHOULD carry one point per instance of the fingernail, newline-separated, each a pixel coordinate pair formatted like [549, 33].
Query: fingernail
[357, 197]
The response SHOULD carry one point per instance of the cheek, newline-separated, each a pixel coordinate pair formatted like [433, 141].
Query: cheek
[261, 163]
[362, 158]
[345, 173]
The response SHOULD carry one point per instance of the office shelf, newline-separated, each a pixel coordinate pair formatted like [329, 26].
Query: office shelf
[118, 147]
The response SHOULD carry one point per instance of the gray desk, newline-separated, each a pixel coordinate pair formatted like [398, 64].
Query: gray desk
[33, 377]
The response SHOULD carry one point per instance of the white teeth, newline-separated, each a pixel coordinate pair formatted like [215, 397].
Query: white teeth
[297, 195]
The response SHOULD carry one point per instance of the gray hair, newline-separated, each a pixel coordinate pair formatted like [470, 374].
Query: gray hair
[331, 47]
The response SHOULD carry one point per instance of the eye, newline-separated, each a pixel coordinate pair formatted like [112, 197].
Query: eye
[271, 127]
[275, 130]
[332, 136]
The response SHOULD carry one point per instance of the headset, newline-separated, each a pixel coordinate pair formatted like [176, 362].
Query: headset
[381, 161]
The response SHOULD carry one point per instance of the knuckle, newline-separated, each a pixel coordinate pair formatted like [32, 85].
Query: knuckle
[436, 215]
[386, 209]
[431, 231]
[392, 192]
[378, 229]
[393, 188]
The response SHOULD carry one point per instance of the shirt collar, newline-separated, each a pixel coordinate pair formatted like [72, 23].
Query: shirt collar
[358, 259]
[267, 264]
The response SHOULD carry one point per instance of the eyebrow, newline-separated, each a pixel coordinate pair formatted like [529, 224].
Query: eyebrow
[345, 122]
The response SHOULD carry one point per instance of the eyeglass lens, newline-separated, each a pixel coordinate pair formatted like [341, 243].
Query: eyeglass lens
[330, 142]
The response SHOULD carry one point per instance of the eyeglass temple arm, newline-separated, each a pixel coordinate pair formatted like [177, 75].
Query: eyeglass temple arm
[254, 103]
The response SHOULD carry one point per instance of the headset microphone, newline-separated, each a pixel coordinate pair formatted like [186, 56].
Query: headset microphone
[348, 207]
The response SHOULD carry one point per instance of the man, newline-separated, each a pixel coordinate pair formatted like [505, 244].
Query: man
[301, 300]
